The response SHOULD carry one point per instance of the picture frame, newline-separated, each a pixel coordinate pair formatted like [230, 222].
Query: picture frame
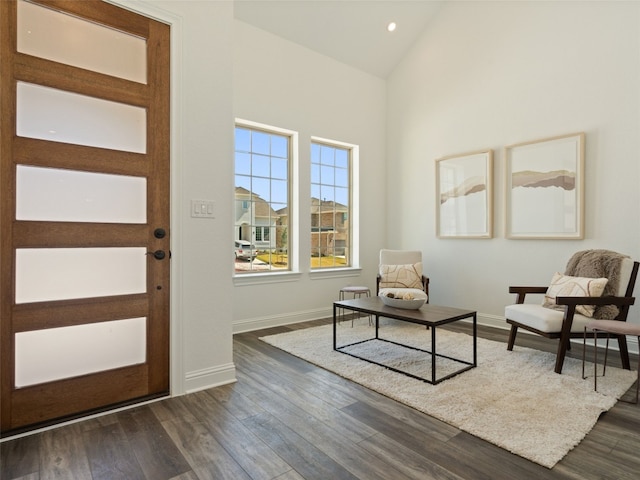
[544, 184]
[464, 195]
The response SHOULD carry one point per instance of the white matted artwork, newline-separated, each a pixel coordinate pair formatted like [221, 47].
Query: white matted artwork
[464, 195]
[545, 188]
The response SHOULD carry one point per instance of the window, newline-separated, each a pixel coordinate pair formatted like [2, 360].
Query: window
[262, 234]
[330, 206]
[262, 163]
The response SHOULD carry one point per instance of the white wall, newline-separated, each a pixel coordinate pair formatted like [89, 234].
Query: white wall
[282, 84]
[490, 74]
[207, 146]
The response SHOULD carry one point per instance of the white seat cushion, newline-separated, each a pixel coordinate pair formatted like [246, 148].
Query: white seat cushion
[543, 319]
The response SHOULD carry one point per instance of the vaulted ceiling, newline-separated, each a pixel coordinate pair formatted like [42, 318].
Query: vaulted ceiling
[351, 31]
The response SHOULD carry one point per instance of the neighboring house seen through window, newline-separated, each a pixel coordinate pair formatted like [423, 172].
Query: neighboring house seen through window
[330, 206]
[262, 199]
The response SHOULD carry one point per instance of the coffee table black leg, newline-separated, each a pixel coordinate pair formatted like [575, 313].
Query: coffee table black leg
[377, 325]
[433, 354]
[334, 326]
[475, 341]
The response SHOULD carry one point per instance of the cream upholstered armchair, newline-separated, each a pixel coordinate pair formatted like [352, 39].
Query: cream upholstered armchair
[400, 273]
[596, 284]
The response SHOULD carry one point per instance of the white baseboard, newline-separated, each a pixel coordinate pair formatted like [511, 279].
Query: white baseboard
[492, 321]
[209, 377]
[259, 323]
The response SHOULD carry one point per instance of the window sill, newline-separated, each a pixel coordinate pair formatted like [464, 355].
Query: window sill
[280, 277]
[264, 278]
[335, 273]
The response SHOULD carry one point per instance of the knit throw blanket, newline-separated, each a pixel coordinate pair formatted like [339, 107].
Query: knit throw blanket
[599, 264]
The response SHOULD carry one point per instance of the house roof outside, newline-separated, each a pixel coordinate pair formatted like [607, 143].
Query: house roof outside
[262, 207]
[318, 206]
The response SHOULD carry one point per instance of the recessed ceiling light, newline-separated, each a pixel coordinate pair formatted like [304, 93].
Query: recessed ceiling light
[391, 27]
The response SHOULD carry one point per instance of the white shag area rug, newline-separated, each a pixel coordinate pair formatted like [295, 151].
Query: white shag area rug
[511, 399]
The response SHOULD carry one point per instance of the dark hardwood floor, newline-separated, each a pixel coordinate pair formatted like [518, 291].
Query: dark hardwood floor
[287, 419]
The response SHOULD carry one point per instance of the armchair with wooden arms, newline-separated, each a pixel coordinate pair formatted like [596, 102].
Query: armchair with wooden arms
[400, 271]
[571, 313]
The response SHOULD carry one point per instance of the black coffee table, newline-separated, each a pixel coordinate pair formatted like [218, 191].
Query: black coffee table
[431, 316]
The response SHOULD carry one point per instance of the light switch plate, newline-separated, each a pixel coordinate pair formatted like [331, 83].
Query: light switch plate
[202, 208]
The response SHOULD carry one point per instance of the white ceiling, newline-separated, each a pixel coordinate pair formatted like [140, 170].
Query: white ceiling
[351, 31]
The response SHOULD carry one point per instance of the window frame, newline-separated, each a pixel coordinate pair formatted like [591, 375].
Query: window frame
[352, 210]
[292, 270]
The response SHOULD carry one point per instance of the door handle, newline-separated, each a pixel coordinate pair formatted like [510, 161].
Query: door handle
[158, 254]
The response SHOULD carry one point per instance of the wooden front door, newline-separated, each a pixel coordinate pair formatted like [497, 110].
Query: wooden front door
[84, 210]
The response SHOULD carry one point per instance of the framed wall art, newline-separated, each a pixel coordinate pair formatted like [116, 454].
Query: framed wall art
[464, 195]
[545, 188]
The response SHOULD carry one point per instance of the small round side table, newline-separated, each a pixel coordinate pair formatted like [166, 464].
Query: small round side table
[608, 327]
[357, 292]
